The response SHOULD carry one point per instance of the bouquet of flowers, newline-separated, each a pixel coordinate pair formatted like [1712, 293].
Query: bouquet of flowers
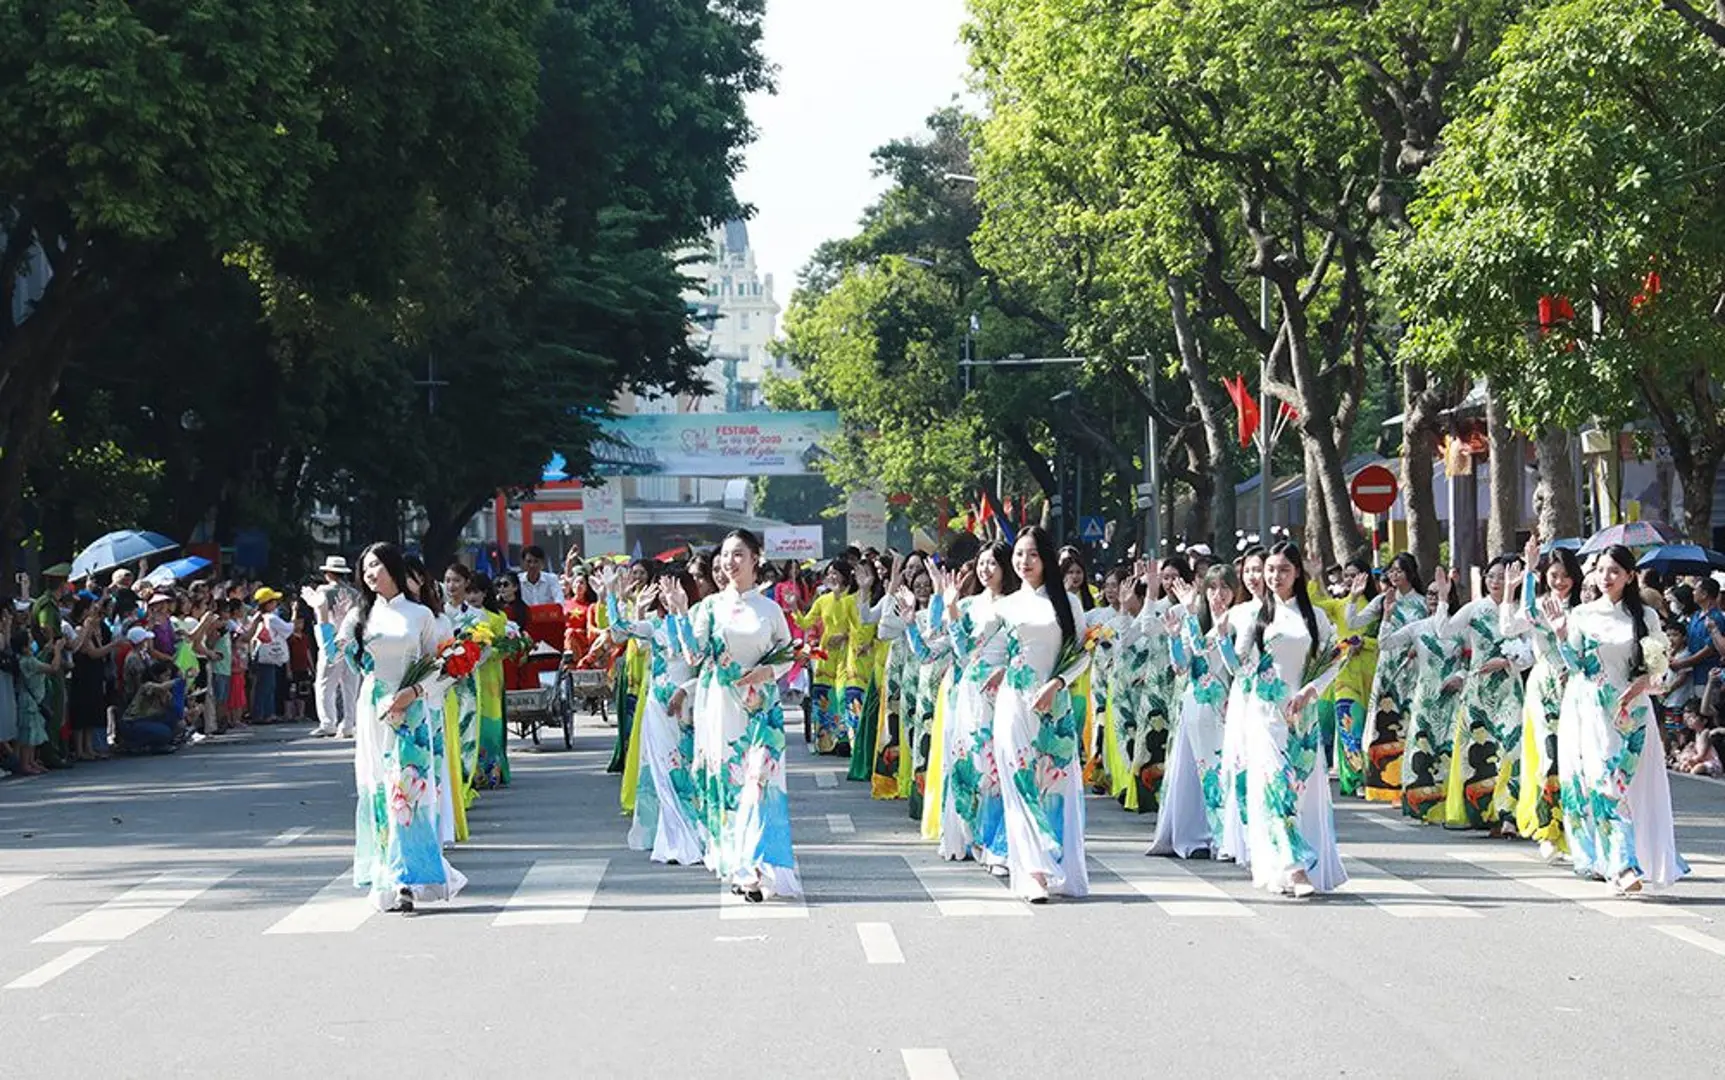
[1323, 660]
[455, 658]
[1085, 644]
[513, 645]
[778, 654]
[1656, 653]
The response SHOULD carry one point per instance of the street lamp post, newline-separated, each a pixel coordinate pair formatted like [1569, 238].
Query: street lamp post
[1264, 417]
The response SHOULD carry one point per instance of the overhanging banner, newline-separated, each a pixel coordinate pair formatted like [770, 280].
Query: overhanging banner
[714, 444]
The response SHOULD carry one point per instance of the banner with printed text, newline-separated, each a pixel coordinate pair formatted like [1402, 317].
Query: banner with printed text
[714, 444]
[602, 520]
[865, 520]
[798, 543]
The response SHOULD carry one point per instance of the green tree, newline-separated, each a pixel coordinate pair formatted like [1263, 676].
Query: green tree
[1587, 175]
[1176, 154]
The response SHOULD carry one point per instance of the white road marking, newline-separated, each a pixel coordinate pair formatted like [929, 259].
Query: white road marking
[11, 883]
[1390, 823]
[879, 944]
[1176, 890]
[1592, 895]
[555, 892]
[137, 908]
[965, 890]
[337, 908]
[54, 968]
[734, 908]
[1399, 897]
[826, 778]
[928, 1065]
[288, 837]
[840, 824]
[1694, 937]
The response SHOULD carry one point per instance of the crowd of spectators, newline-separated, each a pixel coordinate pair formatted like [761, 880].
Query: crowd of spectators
[90, 668]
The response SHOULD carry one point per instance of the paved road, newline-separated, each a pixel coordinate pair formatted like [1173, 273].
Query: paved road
[187, 916]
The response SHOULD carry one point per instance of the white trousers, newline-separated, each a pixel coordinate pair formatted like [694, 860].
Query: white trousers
[337, 696]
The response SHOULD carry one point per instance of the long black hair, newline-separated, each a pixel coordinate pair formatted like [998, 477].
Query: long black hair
[484, 584]
[1288, 550]
[1069, 557]
[1002, 552]
[1633, 604]
[1052, 581]
[426, 592]
[1363, 565]
[395, 565]
[1410, 568]
[1571, 565]
[843, 570]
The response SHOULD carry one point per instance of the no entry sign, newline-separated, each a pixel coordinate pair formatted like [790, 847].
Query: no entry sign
[1373, 489]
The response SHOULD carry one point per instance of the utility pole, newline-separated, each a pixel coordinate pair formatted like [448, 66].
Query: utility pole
[1264, 411]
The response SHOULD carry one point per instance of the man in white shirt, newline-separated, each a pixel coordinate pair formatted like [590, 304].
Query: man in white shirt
[538, 587]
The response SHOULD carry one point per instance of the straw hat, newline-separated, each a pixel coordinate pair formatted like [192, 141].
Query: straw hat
[335, 564]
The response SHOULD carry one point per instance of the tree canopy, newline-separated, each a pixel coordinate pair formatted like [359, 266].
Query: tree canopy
[240, 241]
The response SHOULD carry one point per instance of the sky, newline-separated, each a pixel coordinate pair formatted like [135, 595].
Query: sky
[852, 76]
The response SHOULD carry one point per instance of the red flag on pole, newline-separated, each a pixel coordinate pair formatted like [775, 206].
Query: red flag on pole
[1245, 408]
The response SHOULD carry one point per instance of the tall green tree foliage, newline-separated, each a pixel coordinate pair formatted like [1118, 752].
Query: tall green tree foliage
[1176, 154]
[1585, 179]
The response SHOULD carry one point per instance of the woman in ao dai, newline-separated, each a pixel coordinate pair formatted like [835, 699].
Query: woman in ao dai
[665, 815]
[1233, 843]
[1288, 659]
[1616, 795]
[1036, 733]
[1189, 818]
[739, 729]
[973, 822]
[397, 857]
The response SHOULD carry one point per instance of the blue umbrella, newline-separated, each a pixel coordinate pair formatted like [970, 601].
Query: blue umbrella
[1688, 559]
[179, 568]
[1632, 534]
[1572, 543]
[118, 549]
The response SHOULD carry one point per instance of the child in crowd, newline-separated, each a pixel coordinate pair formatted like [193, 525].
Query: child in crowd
[300, 662]
[1699, 756]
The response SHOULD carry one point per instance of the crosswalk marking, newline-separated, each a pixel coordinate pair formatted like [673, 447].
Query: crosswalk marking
[965, 890]
[1174, 889]
[137, 908]
[555, 892]
[879, 944]
[927, 1064]
[337, 908]
[826, 778]
[1399, 897]
[840, 824]
[1592, 895]
[287, 837]
[11, 883]
[1691, 936]
[733, 908]
[54, 968]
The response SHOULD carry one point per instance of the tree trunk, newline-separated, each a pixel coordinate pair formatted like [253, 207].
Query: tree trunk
[1420, 405]
[1556, 503]
[441, 540]
[1318, 543]
[1214, 414]
[1698, 482]
[1505, 478]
